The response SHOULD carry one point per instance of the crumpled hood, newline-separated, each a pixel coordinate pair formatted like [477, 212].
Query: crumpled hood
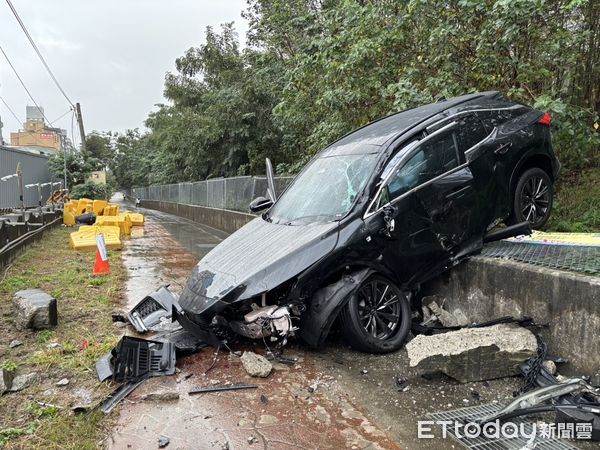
[256, 258]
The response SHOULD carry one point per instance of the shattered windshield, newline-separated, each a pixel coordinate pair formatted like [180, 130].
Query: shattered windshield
[325, 191]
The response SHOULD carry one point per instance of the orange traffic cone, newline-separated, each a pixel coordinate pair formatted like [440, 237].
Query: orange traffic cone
[101, 266]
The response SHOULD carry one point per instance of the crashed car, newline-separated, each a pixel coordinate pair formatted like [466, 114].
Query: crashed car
[370, 218]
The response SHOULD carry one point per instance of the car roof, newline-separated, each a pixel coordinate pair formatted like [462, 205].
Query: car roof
[372, 137]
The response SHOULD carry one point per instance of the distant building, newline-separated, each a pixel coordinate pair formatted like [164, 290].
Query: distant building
[98, 177]
[37, 134]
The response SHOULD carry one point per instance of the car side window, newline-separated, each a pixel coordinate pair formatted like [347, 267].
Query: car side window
[431, 159]
[470, 131]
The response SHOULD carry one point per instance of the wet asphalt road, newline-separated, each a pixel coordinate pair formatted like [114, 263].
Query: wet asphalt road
[281, 413]
[357, 402]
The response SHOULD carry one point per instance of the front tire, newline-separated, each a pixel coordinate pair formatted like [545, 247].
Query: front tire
[532, 200]
[377, 317]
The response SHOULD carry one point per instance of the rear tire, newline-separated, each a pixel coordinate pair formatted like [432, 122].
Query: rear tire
[377, 318]
[532, 198]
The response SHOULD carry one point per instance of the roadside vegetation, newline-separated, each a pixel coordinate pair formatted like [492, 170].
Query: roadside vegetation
[313, 70]
[40, 416]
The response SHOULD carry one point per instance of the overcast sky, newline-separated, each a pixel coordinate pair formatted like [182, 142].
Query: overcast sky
[109, 55]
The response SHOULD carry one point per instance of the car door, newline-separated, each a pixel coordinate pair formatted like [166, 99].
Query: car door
[447, 193]
[493, 160]
[422, 212]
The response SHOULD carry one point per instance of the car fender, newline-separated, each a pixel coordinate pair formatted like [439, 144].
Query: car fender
[326, 304]
[532, 152]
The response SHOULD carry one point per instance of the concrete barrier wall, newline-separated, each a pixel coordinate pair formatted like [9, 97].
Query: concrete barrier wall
[488, 288]
[221, 219]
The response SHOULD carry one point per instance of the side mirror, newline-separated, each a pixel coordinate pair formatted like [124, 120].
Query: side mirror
[260, 203]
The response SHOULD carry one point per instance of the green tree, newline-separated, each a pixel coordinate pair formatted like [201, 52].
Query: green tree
[77, 168]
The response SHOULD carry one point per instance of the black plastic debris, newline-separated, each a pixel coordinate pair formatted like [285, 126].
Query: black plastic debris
[154, 307]
[136, 359]
[419, 328]
[221, 387]
[184, 341]
[104, 367]
[119, 394]
[86, 219]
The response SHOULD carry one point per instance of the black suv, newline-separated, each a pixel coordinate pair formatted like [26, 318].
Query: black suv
[370, 218]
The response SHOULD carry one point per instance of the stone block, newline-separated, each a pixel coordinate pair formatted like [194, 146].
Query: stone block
[474, 354]
[34, 309]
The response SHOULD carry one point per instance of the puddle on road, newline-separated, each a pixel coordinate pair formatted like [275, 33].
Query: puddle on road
[164, 251]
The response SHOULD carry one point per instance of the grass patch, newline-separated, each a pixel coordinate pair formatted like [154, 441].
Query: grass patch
[577, 202]
[40, 416]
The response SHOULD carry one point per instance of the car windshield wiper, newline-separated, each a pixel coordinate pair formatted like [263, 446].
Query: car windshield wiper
[296, 219]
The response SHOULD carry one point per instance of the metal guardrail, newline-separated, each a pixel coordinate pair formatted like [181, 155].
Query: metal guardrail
[224, 193]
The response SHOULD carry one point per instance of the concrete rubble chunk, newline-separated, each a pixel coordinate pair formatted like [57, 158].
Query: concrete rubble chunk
[21, 382]
[163, 441]
[256, 365]
[34, 309]
[435, 303]
[474, 354]
[6, 379]
[14, 343]
[162, 396]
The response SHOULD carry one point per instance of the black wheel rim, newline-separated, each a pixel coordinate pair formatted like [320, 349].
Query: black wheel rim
[379, 309]
[535, 199]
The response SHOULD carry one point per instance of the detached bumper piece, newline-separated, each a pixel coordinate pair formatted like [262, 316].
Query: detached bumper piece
[154, 307]
[135, 359]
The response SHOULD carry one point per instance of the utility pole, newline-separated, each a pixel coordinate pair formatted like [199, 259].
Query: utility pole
[80, 122]
[21, 193]
[64, 149]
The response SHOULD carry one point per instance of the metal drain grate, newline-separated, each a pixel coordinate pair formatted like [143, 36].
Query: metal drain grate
[474, 413]
[584, 259]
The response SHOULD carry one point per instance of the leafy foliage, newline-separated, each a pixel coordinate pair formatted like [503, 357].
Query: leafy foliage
[92, 191]
[316, 69]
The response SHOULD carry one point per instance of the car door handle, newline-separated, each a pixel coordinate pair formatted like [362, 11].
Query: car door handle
[502, 149]
[458, 192]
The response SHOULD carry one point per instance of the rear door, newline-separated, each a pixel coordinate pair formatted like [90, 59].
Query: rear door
[495, 158]
[448, 196]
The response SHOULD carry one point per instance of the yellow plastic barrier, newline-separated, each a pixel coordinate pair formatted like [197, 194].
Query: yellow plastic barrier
[121, 221]
[136, 219]
[69, 210]
[98, 206]
[111, 210]
[84, 205]
[85, 238]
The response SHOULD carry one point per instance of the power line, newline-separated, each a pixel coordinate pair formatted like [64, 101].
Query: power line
[60, 117]
[37, 51]
[11, 111]
[19, 121]
[23, 84]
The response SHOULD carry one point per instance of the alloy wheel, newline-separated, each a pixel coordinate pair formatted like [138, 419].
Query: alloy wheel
[535, 199]
[379, 309]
